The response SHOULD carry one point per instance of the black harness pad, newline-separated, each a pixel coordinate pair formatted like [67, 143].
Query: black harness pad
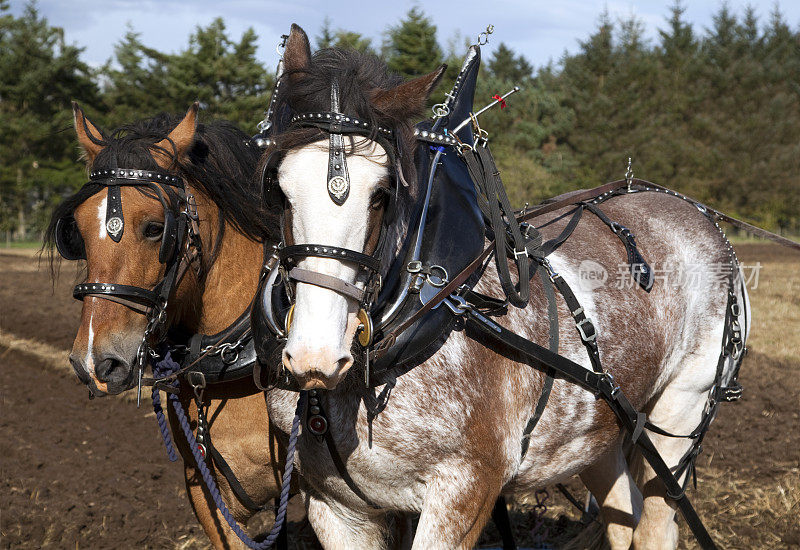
[453, 235]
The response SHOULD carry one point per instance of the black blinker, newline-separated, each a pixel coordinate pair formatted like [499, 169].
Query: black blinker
[69, 242]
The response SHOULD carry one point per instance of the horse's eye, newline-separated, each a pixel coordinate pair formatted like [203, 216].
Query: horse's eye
[153, 231]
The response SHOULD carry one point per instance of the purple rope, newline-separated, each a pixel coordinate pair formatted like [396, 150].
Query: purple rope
[166, 366]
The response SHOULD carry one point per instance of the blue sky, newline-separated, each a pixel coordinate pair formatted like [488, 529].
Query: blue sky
[541, 31]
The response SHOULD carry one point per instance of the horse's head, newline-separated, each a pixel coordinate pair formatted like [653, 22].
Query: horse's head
[136, 224]
[347, 156]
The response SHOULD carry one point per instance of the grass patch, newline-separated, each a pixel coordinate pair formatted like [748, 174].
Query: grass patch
[23, 244]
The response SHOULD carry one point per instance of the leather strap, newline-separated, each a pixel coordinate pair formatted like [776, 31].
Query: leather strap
[327, 281]
[494, 203]
[602, 384]
[131, 294]
[326, 251]
[640, 270]
[115, 221]
[233, 481]
[341, 467]
[338, 178]
[572, 199]
[503, 523]
[552, 314]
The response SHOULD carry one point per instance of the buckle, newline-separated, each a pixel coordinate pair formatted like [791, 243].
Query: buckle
[196, 379]
[191, 207]
[608, 379]
[457, 304]
[582, 331]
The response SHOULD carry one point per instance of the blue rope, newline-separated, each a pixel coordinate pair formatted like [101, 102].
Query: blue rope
[159, 410]
[167, 366]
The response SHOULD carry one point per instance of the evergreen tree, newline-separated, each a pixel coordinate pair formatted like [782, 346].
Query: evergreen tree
[325, 37]
[136, 83]
[504, 65]
[222, 74]
[411, 48]
[39, 76]
[350, 40]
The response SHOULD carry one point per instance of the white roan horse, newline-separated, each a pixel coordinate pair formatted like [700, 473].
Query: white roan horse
[448, 443]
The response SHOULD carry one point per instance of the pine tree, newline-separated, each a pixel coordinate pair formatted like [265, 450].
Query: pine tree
[325, 37]
[222, 74]
[506, 66]
[39, 76]
[411, 48]
[137, 83]
[350, 40]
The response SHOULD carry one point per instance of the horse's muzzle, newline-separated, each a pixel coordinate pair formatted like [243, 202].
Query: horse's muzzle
[111, 375]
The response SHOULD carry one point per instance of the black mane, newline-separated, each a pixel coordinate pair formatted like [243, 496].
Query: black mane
[357, 74]
[221, 164]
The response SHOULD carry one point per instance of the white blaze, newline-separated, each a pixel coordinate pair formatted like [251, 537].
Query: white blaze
[319, 328]
[89, 361]
[101, 215]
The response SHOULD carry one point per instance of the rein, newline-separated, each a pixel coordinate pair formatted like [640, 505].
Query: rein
[166, 366]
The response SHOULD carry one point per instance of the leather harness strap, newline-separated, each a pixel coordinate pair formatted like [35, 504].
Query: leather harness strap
[459, 279]
[327, 281]
[552, 314]
[601, 383]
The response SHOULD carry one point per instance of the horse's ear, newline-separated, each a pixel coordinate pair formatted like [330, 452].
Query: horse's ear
[297, 56]
[408, 99]
[177, 143]
[90, 138]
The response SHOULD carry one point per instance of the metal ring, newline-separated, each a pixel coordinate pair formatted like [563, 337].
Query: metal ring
[440, 110]
[229, 359]
[442, 280]
[414, 266]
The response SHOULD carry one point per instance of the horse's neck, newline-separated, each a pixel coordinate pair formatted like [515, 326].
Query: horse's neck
[231, 280]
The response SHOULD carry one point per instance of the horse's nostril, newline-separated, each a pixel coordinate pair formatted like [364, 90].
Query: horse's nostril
[287, 360]
[343, 364]
[111, 370]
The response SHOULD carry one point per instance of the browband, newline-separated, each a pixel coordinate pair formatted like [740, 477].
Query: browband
[338, 123]
[129, 176]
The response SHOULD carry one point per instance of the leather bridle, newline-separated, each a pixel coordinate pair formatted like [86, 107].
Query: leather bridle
[336, 124]
[180, 247]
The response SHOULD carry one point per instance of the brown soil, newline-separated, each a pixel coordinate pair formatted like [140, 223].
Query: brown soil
[94, 474]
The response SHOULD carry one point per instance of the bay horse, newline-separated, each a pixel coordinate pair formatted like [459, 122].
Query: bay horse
[447, 443]
[217, 164]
